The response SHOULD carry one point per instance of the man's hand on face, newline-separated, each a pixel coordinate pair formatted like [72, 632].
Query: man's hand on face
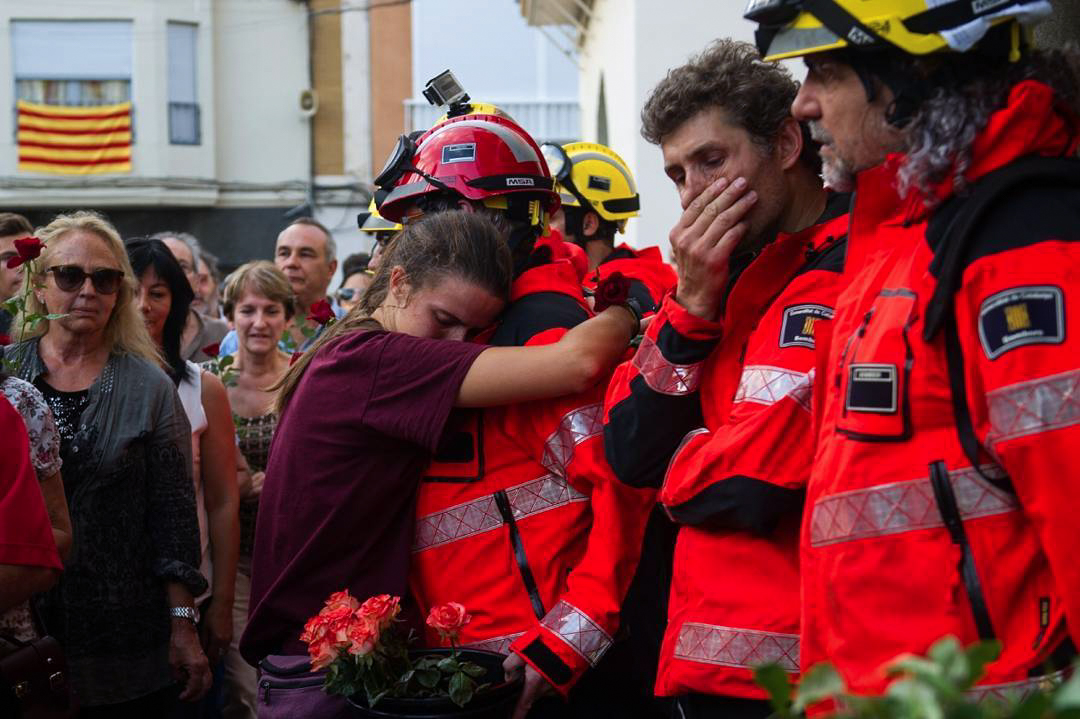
[702, 241]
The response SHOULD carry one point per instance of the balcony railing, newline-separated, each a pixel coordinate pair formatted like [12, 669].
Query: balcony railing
[546, 120]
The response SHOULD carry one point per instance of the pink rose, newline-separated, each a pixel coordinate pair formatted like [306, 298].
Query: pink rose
[337, 625]
[448, 620]
[381, 610]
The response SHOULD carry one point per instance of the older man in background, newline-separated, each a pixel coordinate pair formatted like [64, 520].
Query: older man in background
[200, 331]
[307, 254]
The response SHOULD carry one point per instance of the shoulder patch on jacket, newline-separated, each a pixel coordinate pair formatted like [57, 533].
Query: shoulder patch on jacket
[797, 328]
[536, 313]
[1018, 316]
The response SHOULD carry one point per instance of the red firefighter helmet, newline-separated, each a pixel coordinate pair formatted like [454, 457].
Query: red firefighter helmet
[478, 157]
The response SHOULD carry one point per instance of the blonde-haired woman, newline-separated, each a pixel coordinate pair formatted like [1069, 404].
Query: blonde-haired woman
[123, 607]
[259, 302]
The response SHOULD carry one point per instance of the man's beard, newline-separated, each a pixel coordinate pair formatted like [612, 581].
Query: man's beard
[837, 173]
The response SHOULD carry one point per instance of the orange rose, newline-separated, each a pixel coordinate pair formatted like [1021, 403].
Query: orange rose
[314, 630]
[448, 620]
[341, 599]
[381, 610]
[363, 635]
[322, 655]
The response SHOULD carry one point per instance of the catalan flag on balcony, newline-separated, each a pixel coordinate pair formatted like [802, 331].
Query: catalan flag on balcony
[74, 140]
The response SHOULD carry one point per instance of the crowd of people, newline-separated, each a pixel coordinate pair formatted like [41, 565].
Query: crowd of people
[835, 428]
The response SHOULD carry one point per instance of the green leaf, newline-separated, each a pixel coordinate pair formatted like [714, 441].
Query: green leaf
[1034, 707]
[916, 698]
[307, 331]
[225, 362]
[773, 679]
[1067, 695]
[473, 670]
[55, 316]
[981, 654]
[13, 305]
[821, 682]
[449, 664]
[462, 689]
[428, 678]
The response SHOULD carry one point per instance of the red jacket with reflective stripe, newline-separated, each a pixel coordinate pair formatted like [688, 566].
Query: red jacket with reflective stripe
[880, 570]
[650, 276]
[578, 528]
[736, 483]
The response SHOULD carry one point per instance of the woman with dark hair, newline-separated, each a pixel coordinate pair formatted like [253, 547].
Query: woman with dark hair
[362, 411]
[164, 298]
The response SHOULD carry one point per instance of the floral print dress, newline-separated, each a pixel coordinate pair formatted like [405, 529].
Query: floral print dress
[45, 456]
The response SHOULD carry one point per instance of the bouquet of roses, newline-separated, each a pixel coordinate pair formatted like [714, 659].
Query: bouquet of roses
[364, 649]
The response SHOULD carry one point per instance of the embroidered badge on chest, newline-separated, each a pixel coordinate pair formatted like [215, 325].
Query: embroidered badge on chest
[872, 388]
[1019, 316]
[800, 323]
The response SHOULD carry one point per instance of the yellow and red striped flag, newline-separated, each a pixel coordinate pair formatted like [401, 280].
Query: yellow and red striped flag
[74, 140]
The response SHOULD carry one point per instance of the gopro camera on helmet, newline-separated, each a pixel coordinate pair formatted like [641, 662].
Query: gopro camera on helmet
[444, 89]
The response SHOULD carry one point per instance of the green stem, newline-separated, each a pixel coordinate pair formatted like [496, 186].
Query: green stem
[28, 270]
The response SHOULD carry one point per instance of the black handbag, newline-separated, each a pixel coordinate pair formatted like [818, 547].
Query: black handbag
[34, 682]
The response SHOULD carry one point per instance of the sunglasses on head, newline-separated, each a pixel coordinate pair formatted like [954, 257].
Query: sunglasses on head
[70, 278]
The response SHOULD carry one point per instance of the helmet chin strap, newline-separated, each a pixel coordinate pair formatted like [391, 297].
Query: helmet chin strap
[522, 240]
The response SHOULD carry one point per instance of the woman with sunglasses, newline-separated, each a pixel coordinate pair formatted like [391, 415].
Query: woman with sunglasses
[123, 609]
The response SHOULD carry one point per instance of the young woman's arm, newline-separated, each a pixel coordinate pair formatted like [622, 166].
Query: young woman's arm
[218, 450]
[508, 375]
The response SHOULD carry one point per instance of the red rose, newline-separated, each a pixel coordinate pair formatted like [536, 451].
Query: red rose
[211, 351]
[322, 655]
[321, 312]
[381, 610]
[28, 248]
[5, 339]
[612, 290]
[295, 356]
[448, 620]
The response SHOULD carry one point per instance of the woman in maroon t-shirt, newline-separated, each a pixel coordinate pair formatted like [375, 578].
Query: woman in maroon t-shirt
[363, 410]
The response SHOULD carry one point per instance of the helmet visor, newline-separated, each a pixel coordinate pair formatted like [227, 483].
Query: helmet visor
[772, 12]
[558, 161]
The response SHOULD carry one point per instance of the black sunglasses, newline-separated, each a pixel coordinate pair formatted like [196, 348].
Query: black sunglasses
[70, 278]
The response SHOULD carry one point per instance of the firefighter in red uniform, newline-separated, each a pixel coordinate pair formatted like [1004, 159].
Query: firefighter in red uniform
[943, 496]
[520, 518]
[598, 196]
[728, 366]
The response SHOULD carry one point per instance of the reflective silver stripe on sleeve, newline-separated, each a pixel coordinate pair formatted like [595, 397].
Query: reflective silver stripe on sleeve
[768, 385]
[574, 428]
[1038, 405]
[734, 647]
[1018, 691]
[580, 632]
[499, 645]
[904, 506]
[663, 376]
[481, 515]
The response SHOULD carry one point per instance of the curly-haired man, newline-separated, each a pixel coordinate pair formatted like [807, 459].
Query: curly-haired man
[727, 364]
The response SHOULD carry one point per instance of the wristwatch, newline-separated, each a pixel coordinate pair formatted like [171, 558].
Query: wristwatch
[189, 613]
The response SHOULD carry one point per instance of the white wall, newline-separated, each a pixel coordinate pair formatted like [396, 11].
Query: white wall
[262, 67]
[252, 65]
[634, 43]
[492, 51]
